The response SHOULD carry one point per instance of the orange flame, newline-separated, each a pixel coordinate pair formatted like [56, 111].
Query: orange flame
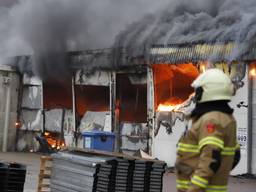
[54, 141]
[18, 124]
[253, 72]
[162, 107]
[169, 106]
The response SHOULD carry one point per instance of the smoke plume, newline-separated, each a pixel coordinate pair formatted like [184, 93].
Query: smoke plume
[47, 29]
[193, 21]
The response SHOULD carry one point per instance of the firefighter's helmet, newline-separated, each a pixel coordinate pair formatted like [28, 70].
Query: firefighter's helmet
[213, 85]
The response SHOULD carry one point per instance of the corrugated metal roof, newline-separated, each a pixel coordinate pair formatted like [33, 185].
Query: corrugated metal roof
[121, 58]
[201, 52]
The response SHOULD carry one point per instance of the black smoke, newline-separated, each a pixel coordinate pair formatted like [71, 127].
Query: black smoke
[47, 29]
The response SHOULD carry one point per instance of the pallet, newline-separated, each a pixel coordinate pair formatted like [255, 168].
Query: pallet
[44, 174]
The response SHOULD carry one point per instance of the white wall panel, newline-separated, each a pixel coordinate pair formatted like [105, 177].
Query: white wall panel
[241, 116]
[253, 162]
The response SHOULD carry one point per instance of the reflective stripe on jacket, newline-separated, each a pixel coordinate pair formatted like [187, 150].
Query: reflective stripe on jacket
[205, 152]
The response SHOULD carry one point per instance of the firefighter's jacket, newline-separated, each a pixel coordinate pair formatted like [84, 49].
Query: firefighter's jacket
[206, 153]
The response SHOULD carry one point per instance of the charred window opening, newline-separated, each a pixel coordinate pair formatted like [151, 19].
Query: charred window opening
[91, 98]
[172, 84]
[57, 95]
[131, 98]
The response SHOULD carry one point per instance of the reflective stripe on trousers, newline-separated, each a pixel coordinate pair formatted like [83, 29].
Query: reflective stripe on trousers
[183, 185]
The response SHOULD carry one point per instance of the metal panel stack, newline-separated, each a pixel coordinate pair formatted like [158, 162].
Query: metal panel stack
[124, 173]
[105, 178]
[75, 173]
[81, 172]
[141, 175]
[12, 177]
[156, 177]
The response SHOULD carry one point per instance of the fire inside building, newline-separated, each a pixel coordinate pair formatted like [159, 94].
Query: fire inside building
[143, 100]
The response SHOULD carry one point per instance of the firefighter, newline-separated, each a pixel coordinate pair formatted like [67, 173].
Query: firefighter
[208, 150]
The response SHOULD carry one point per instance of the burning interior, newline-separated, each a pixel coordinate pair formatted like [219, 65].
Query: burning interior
[57, 102]
[172, 84]
[171, 89]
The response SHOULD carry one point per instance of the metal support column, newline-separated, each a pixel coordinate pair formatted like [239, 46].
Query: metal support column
[7, 83]
[74, 111]
[114, 113]
[151, 110]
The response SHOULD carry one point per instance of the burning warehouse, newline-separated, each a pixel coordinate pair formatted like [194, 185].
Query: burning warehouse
[143, 101]
[140, 88]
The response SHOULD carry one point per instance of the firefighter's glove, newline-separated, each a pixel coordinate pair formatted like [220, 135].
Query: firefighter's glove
[195, 188]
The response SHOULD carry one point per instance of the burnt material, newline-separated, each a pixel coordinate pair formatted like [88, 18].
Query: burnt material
[45, 147]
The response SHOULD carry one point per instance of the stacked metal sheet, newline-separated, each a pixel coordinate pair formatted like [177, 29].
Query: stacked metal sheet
[75, 173]
[140, 176]
[92, 173]
[124, 172]
[156, 177]
[105, 178]
[12, 177]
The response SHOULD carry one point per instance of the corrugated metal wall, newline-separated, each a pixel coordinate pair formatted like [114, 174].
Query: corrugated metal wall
[14, 87]
[31, 114]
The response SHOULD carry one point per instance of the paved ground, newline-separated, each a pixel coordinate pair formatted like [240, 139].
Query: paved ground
[236, 184]
[32, 161]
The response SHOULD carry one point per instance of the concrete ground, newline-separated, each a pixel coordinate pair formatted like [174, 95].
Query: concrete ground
[32, 161]
[236, 184]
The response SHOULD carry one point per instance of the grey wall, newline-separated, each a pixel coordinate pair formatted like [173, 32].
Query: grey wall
[14, 83]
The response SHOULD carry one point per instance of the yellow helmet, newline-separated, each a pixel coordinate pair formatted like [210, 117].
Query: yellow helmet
[213, 85]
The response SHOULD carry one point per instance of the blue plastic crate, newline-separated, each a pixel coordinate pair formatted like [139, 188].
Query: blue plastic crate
[100, 140]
